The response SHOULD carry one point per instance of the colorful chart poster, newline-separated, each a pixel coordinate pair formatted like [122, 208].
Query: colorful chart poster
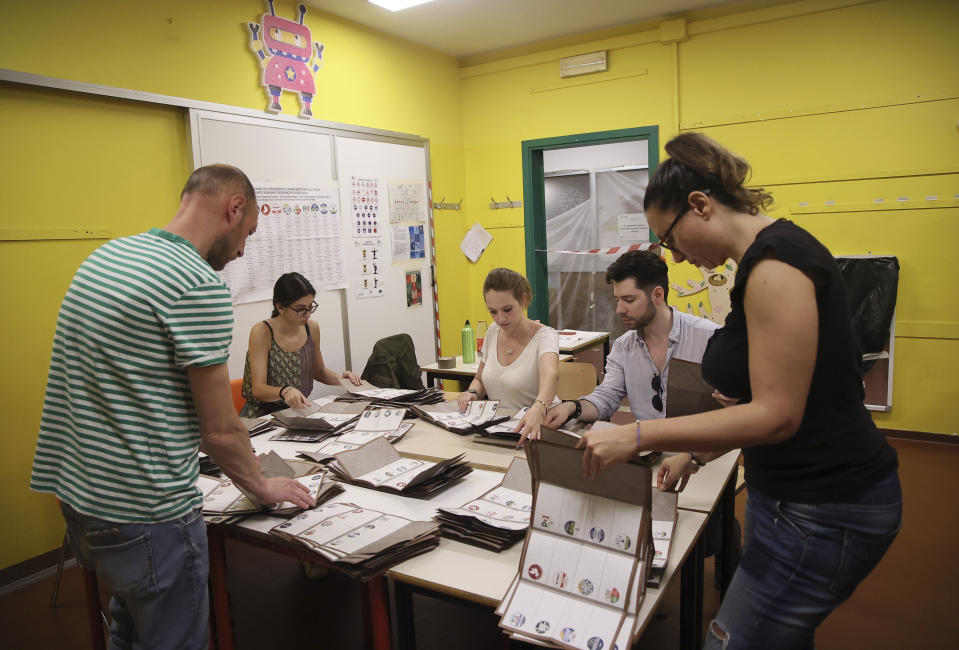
[365, 215]
[414, 288]
[417, 242]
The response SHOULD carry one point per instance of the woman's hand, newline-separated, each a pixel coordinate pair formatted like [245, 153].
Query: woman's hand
[465, 398]
[529, 426]
[723, 400]
[353, 377]
[675, 469]
[606, 447]
[295, 399]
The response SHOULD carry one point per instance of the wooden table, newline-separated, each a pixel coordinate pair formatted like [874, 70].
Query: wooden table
[461, 371]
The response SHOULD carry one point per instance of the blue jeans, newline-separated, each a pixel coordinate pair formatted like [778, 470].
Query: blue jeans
[800, 562]
[157, 574]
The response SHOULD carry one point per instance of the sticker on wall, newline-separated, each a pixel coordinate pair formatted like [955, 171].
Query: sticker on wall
[366, 278]
[286, 51]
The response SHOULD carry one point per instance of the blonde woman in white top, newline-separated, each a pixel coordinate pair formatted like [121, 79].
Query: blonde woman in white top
[520, 358]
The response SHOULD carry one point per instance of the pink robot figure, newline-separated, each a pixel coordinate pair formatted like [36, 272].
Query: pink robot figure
[287, 61]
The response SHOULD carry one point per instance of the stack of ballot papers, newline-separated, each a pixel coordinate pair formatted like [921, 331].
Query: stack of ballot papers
[256, 426]
[504, 430]
[497, 519]
[478, 414]
[664, 515]
[377, 465]
[318, 421]
[389, 396]
[373, 423]
[582, 574]
[225, 502]
[360, 542]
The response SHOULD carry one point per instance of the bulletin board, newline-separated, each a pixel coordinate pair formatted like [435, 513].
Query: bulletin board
[357, 168]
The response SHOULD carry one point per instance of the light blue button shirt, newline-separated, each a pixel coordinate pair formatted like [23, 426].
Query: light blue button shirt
[630, 369]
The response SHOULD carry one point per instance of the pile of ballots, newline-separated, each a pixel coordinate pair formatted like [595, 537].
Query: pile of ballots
[377, 465]
[497, 519]
[318, 421]
[255, 426]
[478, 415]
[389, 396]
[360, 542]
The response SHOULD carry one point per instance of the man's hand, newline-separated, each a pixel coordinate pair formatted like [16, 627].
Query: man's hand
[606, 447]
[675, 469]
[280, 488]
[558, 415]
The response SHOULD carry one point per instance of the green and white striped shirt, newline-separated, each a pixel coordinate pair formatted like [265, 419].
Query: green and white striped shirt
[119, 433]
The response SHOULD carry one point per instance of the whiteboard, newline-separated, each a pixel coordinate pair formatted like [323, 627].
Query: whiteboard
[374, 318]
[280, 152]
[272, 152]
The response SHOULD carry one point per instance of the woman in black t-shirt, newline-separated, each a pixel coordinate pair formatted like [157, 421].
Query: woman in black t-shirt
[824, 497]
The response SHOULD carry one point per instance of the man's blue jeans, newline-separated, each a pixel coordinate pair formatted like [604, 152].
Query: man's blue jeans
[801, 561]
[157, 574]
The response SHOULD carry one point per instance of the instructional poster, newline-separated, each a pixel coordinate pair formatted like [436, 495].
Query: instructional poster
[414, 288]
[367, 268]
[365, 213]
[298, 230]
[407, 201]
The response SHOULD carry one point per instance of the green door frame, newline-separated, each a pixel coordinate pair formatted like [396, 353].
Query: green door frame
[535, 199]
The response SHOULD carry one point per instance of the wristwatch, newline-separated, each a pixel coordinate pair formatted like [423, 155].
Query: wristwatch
[578, 408]
[696, 461]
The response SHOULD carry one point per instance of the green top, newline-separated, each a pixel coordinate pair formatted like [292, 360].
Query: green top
[119, 433]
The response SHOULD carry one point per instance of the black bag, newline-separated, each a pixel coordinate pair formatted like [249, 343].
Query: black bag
[392, 364]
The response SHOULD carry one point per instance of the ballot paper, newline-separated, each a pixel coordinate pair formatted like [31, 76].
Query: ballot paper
[479, 414]
[686, 390]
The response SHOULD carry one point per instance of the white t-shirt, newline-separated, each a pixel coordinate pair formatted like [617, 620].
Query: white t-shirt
[517, 384]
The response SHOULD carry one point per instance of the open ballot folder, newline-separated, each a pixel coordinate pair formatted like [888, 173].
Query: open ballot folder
[373, 423]
[318, 421]
[379, 466]
[224, 501]
[497, 519]
[686, 390]
[582, 575]
[479, 414]
[389, 396]
[360, 542]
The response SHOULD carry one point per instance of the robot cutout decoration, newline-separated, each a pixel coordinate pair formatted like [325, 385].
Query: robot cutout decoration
[288, 62]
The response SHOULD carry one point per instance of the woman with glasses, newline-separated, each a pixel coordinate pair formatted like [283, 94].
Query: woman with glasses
[284, 355]
[824, 496]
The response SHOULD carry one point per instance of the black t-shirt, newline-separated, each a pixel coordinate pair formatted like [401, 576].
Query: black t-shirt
[837, 454]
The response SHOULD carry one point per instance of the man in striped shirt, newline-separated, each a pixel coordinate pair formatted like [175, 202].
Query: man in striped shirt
[137, 382]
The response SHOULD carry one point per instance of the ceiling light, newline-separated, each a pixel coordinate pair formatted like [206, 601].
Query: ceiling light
[398, 5]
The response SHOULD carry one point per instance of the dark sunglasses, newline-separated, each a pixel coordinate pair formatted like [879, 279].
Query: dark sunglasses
[657, 385]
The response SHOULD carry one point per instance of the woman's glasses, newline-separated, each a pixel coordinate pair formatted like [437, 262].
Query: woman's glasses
[657, 385]
[301, 311]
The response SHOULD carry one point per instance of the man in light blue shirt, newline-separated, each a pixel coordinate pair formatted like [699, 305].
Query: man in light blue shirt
[638, 364]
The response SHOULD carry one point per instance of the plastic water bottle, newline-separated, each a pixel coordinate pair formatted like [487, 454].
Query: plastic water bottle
[469, 343]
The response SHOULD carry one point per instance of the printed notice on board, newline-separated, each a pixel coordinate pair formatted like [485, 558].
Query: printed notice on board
[365, 213]
[367, 268]
[407, 201]
[298, 230]
[475, 242]
[633, 227]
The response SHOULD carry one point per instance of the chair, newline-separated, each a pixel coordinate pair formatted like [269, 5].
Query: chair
[575, 379]
[392, 364]
[236, 385]
[96, 618]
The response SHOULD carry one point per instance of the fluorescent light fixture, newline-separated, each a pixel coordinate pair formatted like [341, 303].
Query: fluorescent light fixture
[398, 5]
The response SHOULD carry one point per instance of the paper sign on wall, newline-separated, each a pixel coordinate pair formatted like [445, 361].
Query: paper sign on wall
[414, 288]
[367, 278]
[365, 212]
[407, 201]
[633, 227]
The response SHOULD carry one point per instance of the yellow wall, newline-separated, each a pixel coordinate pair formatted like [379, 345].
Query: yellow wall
[83, 161]
[831, 100]
[857, 100]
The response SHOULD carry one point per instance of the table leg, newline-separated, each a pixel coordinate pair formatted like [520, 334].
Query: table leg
[376, 614]
[221, 595]
[727, 550]
[402, 600]
[691, 599]
[431, 379]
